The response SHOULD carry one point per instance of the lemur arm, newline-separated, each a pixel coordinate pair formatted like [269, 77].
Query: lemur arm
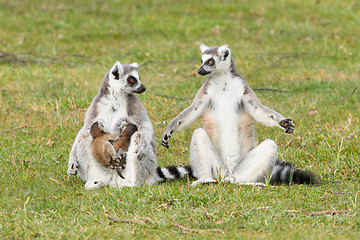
[186, 117]
[138, 116]
[263, 114]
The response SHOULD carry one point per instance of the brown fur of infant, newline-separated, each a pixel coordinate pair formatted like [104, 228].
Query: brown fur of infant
[107, 147]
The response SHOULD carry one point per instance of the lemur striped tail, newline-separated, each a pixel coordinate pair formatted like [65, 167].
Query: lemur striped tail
[173, 172]
[287, 173]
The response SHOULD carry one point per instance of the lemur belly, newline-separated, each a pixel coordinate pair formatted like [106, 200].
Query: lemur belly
[221, 124]
[111, 113]
[222, 121]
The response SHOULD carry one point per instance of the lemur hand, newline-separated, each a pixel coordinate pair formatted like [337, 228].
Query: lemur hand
[165, 137]
[123, 125]
[101, 124]
[287, 125]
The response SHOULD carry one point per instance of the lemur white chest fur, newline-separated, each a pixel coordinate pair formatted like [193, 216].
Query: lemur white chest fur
[110, 107]
[221, 119]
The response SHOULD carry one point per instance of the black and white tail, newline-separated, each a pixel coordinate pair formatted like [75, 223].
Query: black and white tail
[287, 173]
[173, 172]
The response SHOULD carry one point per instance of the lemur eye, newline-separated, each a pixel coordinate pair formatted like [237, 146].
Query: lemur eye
[211, 62]
[131, 80]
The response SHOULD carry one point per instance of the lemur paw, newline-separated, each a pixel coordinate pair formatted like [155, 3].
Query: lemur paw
[287, 125]
[93, 184]
[123, 124]
[229, 179]
[203, 181]
[72, 169]
[136, 139]
[165, 138]
[101, 124]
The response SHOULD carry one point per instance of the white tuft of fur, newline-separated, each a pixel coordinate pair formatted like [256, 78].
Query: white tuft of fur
[135, 65]
[203, 47]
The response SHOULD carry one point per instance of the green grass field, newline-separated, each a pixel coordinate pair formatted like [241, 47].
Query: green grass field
[54, 54]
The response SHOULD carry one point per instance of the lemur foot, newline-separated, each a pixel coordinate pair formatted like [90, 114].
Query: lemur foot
[252, 184]
[228, 179]
[126, 184]
[203, 181]
[287, 125]
[93, 184]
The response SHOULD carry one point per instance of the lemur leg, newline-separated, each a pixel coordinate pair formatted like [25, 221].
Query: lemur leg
[111, 150]
[204, 159]
[140, 161]
[73, 164]
[89, 169]
[257, 164]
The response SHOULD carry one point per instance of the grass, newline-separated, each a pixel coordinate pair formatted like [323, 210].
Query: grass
[55, 54]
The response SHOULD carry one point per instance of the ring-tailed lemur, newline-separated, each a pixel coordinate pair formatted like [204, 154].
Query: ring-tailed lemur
[225, 145]
[116, 101]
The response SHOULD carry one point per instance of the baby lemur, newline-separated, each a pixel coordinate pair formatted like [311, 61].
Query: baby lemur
[225, 147]
[110, 148]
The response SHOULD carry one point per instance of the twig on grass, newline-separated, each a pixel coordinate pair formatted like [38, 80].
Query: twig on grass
[116, 219]
[340, 193]
[14, 129]
[166, 61]
[197, 230]
[129, 24]
[353, 92]
[125, 54]
[328, 212]
[269, 89]
[170, 97]
[52, 179]
[13, 57]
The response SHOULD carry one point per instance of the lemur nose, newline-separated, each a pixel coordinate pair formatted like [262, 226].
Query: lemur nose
[141, 89]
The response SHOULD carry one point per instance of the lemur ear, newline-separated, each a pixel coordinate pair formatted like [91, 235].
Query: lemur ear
[135, 65]
[203, 47]
[224, 52]
[116, 71]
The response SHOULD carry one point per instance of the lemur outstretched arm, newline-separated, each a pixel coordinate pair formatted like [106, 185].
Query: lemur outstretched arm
[265, 115]
[186, 117]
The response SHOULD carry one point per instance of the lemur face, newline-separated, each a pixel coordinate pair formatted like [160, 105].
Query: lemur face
[216, 59]
[125, 78]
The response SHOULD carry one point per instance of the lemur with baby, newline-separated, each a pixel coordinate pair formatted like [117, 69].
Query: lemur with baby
[115, 102]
